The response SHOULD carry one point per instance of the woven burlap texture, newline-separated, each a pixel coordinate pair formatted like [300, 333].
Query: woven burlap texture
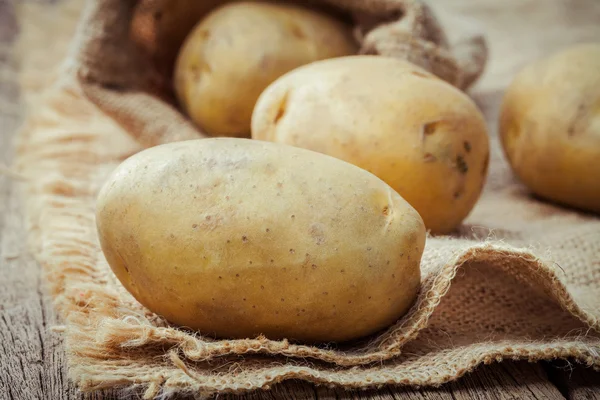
[521, 279]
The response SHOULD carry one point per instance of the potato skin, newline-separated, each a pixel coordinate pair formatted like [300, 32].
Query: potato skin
[233, 54]
[236, 238]
[550, 127]
[422, 136]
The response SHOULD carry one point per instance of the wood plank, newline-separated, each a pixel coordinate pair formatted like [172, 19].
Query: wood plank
[574, 382]
[507, 380]
[32, 359]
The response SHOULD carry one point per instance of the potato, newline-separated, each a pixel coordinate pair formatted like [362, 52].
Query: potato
[550, 127]
[422, 136]
[239, 49]
[237, 238]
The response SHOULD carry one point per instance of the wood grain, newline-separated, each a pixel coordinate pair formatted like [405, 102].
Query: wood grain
[32, 361]
[574, 382]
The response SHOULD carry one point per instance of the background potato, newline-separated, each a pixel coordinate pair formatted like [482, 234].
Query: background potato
[237, 238]
[239, 49]
[419, 134]
[550, 127]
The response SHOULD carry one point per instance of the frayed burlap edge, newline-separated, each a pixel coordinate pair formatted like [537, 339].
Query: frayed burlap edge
[179, 377]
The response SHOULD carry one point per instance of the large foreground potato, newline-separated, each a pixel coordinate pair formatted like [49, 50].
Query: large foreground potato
[238, 238]
[239, 49]
[550, 127]
[419, 134]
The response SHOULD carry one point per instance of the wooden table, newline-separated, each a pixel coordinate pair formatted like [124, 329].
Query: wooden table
[32, 361]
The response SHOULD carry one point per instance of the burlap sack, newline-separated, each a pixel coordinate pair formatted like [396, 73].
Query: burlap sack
[521, 279]
[125, 50]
